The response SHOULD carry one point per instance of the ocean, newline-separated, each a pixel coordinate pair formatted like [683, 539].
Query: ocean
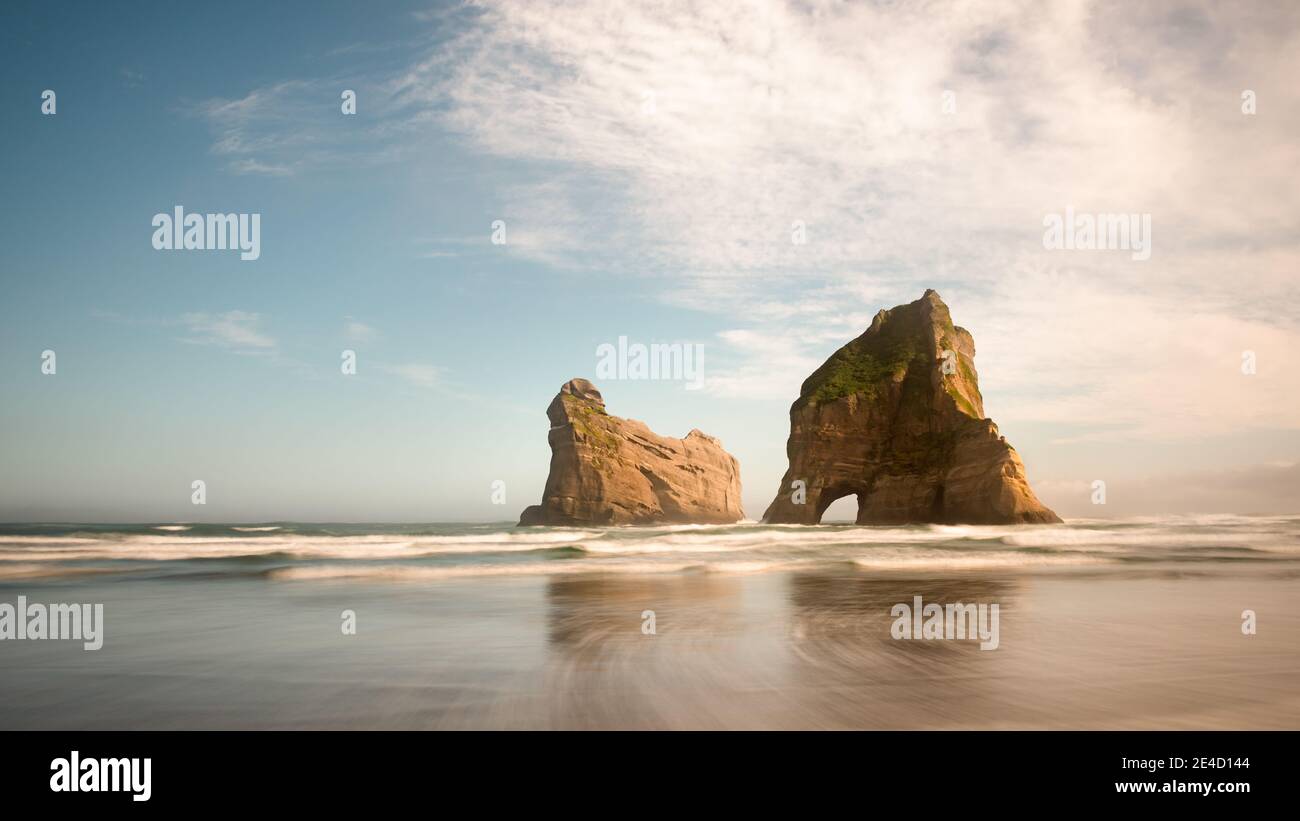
[1156, 622]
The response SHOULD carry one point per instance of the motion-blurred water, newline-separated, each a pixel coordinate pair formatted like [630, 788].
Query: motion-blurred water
[1104, 623]
[441, 551]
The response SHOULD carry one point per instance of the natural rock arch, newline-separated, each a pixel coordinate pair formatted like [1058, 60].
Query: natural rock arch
[896, 417]
[829, 496]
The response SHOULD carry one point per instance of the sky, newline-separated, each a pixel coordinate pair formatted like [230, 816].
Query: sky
[651, 167]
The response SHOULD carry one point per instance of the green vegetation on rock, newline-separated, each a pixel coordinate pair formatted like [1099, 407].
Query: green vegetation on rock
[968, 381]
[854, 369]
[585, 418]
[963, 404]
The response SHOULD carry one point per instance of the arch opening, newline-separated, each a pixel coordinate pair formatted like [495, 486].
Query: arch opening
[839, 506]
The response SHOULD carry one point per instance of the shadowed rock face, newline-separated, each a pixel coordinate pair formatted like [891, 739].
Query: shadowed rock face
[883, 421]
[606, 470]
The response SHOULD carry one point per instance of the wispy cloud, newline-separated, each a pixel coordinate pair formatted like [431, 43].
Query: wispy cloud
[356, 331]
[252, 166]
[418, 374]
[238, 331]
[761, 364]
[294, 126]
[687, 143]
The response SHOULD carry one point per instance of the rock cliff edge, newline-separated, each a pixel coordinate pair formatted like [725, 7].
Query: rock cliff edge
[896, 418]
[606, 470]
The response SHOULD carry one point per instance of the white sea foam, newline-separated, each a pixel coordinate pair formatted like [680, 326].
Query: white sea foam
[914, 560]
[1071, 537]
[369, 546]
[399, 572]
[45, 570]
[558, 568]
[505, 550]
[49, 541]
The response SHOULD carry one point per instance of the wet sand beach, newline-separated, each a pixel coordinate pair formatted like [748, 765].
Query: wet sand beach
[1114, 645]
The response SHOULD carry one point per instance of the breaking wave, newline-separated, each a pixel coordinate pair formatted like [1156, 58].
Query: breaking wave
[291, 551]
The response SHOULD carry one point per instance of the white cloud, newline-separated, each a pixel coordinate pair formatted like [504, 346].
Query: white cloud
[251, 166]
[683, 141]
[421, 375]
[355, 331]
[236, 330]
[295, 126]
[766, 113]
[769, 367]
[680, 141]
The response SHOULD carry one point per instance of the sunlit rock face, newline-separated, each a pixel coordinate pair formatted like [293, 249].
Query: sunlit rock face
[606, 470]
[895, 417]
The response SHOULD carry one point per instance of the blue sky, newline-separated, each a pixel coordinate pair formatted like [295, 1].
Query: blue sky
[649, 165]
